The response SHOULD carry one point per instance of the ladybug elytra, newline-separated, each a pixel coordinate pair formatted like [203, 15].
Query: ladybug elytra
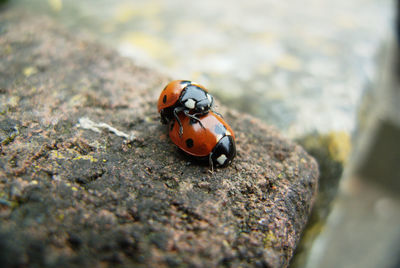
[183, 96]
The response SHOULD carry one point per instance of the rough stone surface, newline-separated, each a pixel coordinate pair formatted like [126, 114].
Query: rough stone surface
[73, 196]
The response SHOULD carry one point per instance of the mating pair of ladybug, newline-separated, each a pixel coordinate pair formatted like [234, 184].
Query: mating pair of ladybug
[193, 126]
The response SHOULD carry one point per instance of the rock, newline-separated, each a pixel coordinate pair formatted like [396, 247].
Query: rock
[8, 130]
[366, 212]
[377, 151]
[331, 151]
[91, 178]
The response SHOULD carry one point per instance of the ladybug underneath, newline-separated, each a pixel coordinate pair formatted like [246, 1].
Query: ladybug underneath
[215, 141]
[183, 96]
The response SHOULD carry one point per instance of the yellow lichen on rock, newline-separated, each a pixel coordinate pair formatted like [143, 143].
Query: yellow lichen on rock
[126, 12]
[28, 71]
[339, 146]
[153, 46]
[56, 5]
[56, 155]
[269, 239]
[86, 157]
[289, 62]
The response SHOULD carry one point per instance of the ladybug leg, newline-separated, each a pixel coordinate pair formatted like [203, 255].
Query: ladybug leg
[163, 118]
[176, 111]
[210, 162]
[193, 116]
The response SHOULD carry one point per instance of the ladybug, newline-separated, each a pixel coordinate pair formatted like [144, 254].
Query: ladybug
[183, 96]
[215, 141]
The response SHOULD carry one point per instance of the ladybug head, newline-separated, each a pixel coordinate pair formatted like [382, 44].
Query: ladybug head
[224, 152]
[204, 105]
[197, 99]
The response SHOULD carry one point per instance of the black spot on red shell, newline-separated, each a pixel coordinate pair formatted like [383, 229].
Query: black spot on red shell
[189, 143]
[164, 99]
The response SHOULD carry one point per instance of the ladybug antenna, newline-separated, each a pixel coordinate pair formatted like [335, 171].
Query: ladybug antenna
[176, 111]
[217, 113]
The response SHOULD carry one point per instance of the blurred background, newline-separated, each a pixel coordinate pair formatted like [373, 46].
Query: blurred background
[300, 65]
[325, 73]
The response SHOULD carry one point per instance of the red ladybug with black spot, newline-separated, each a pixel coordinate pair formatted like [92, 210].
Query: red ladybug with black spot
[183, 96]
[215, 141]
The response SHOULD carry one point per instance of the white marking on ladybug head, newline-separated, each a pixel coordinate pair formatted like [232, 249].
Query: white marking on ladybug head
[228, 133]
[190, 103]
[221, 159]
[209, 97]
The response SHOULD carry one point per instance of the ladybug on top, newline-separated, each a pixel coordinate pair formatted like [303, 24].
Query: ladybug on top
[184, 96]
